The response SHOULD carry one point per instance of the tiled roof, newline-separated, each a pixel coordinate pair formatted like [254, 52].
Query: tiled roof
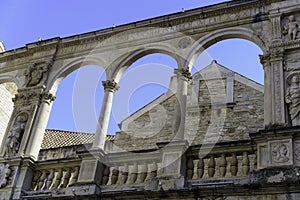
[59, 138]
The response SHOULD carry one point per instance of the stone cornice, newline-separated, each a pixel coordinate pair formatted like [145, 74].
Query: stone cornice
[171, 20]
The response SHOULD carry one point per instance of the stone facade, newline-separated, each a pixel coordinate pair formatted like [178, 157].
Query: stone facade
[213, 135]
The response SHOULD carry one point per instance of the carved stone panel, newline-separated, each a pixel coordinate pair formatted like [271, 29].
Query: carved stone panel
[297, 152]
[280, 152]
[36, 74]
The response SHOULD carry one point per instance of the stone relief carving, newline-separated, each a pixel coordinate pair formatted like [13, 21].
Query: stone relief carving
[13, 140]
[280, 153]
[5, 172]
[291, 28]
[184, 43]
[292, 98]
[35, 74]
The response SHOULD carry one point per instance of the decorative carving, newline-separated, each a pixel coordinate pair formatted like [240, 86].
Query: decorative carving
[291, 28]
[184, 43]
[31, 96]
[35, 74]
[280, 153]
[48, 97]
[293, 98]
[184, 73]
[5, 173]
[110, 85]
[14, 138]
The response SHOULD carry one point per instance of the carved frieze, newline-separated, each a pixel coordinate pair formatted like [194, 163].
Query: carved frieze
[5, 173]
[36, 74]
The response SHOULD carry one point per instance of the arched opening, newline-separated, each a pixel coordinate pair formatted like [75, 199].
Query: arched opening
[78, 100]
[145, 100]
[7, 92]
[239, 55]
[228, 88]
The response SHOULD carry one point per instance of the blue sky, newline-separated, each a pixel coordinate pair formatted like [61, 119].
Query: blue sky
[79, 98]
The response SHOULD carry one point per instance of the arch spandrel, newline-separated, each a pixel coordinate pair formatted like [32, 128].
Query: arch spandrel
[125, 60]
[212, 38]
[63, 68]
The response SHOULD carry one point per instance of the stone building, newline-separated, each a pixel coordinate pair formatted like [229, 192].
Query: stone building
[213, 135]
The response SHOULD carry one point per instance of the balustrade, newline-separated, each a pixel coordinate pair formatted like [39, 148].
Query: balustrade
[133, 173]
[54, 177]
[220, 165]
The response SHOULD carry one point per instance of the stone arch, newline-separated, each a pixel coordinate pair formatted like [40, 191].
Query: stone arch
[70, 67]
[126, 60]
[223, 34]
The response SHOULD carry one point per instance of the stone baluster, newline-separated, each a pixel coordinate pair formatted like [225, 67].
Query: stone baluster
[255, 160]
[153, 171]
[74, 176]
[114, 176]
[211, 166]
[200, 168]
[66, 178]
[124, 176]
[245, 164]
[142, 173]
[223, 165]
[50, 179]
[233, 165]
[190, 168]
[42, 179]
[35, 181]
[133, 174]
[57, 179]
[105, 175]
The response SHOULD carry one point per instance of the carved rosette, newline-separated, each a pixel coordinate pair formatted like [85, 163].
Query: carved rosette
[5, 173]
[183, 73]
[110, 85]
[36, 74]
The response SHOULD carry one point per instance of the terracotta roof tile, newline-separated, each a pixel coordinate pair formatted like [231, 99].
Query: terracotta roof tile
[59, 138]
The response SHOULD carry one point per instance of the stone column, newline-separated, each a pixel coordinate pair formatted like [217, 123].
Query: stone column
[110, 86]
[33, 146]
[183, 76]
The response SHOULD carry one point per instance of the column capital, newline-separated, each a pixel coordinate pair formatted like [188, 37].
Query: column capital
[183, 73]
[264, 59]
[110, 85]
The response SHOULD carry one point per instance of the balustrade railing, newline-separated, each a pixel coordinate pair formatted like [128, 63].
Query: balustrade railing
[51, 176]
[129, 173]
[226, 163]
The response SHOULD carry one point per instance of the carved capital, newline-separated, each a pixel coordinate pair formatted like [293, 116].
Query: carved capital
[30, 96]
[183, 73]
[110, 85]
[47, 97]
